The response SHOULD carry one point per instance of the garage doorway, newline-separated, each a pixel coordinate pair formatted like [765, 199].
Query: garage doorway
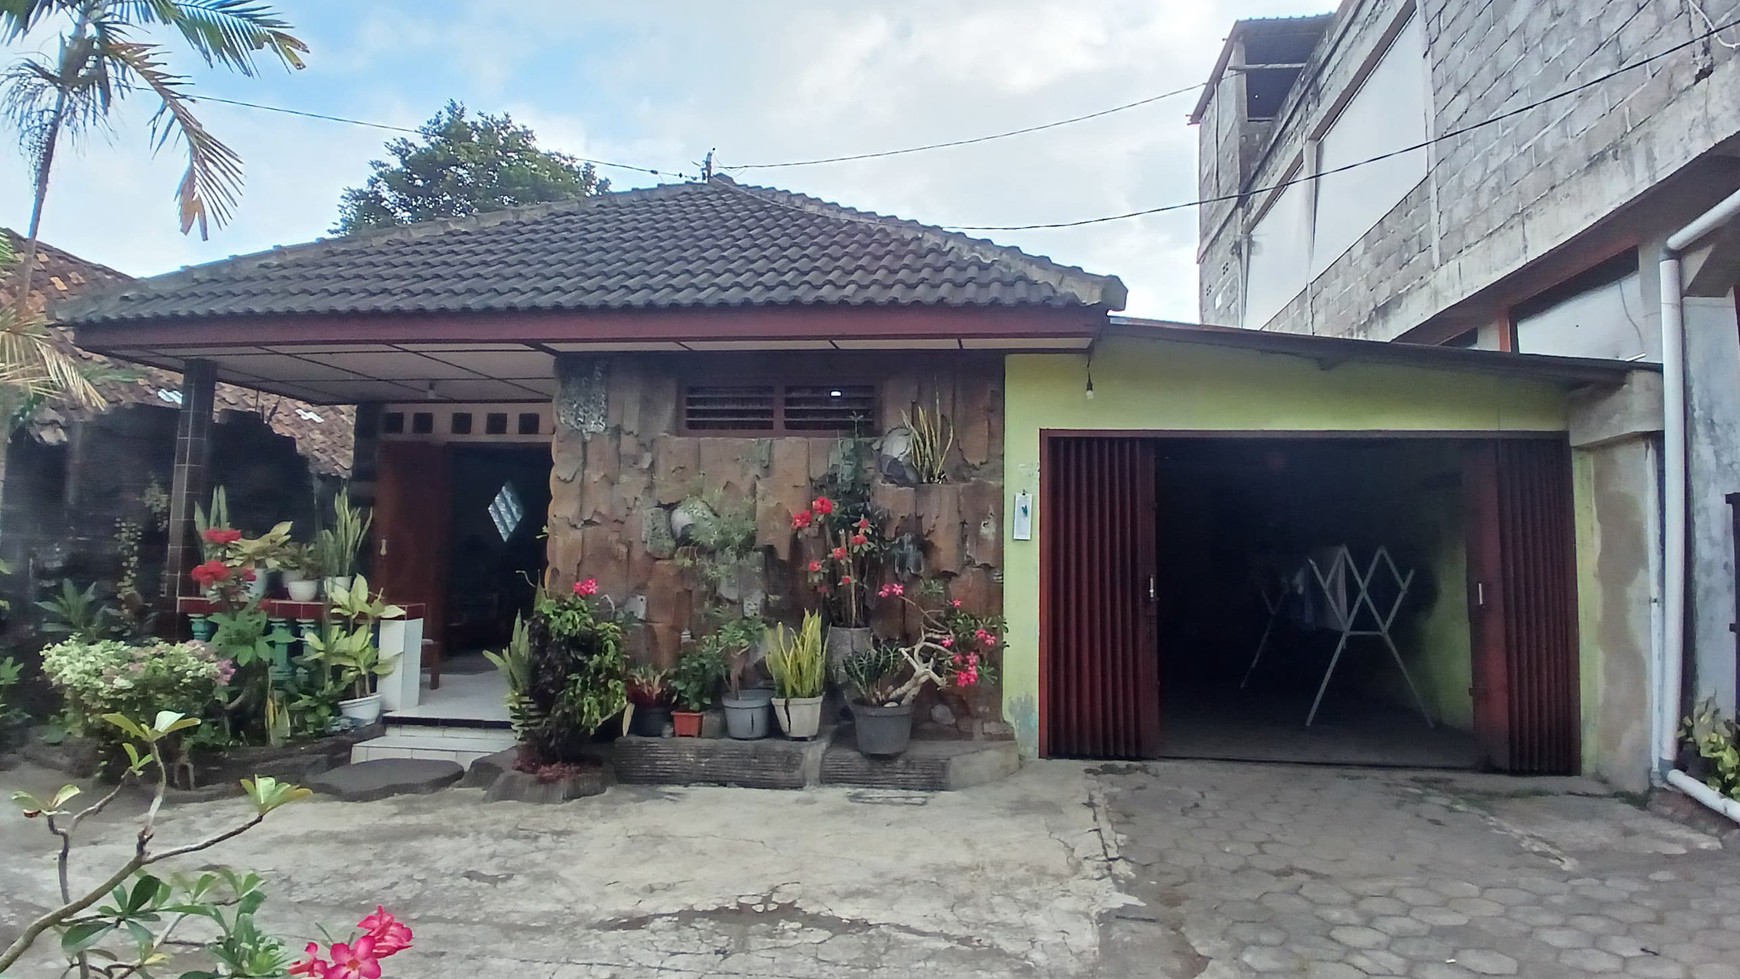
[1341, 600]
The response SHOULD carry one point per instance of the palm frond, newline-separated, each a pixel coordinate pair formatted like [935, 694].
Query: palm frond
[213, 179]
[30, 89]
[19, 17]
[32, 365]
[224, 32]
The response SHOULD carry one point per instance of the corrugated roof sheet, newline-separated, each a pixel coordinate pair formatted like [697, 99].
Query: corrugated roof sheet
[680, 246]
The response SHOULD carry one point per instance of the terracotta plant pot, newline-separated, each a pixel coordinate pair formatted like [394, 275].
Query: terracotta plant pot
[687, 723]
[799, 717]
[882, 732]
[649, 722]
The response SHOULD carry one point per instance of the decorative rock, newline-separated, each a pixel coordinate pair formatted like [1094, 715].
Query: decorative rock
[942, 715]
[379, 779]
[484, 771]
[513, 786]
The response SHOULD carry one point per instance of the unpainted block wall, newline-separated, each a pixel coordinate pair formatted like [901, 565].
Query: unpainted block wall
[615, 468]
[1502, 195]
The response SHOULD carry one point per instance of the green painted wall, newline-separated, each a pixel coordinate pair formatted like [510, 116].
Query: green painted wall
[1159, 385]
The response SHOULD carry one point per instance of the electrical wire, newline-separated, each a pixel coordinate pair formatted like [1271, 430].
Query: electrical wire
[1451, 134]
[402, 129]
[1698, 8]
[966, 142]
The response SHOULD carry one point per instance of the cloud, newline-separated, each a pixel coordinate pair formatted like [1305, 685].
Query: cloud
[659, 83]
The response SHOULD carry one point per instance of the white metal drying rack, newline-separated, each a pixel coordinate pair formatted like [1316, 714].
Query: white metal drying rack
[1353, 610]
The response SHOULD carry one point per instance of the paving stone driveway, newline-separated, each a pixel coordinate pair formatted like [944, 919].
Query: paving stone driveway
[1260, 870]
[1064, 870]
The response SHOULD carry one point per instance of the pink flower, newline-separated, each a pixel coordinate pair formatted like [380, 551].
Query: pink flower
[225, 670]
[802, 520]
[955, 603]
[815, 567]
[989, 640]
[839, 554]
[864, 524]
[356, 960]
[312, 966]
[587, 587]
[859, 540]
[892, 590]
[845, 579]
[823, 506]
[948, 643]
[390, 935]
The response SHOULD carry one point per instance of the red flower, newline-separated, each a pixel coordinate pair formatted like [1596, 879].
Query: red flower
[845, 579]
[210, 573]
[220, 535]
[249, 574]
[356, 960]
[859, 540]
[839, 554]
[390, 935]
[312, 966]
[864, 524]
[822, 505]
[815, 567]
[802, 520]
[587, 587]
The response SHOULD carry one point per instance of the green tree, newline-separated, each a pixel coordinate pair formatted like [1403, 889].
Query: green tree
[99, 61]
[460, 165]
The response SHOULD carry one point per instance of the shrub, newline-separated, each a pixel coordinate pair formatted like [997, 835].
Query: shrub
[575, 672]
[109, 676]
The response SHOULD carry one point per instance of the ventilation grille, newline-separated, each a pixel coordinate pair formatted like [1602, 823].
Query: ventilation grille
[730, 409]
[829, 408]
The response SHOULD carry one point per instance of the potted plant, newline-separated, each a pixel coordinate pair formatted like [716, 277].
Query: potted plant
[694, 683]
[848, 551]
[338, 545]
[346, 645]
[748, 707]
[565, 669]
[300, 568]
[649, 692]
[885, 679]
[799, 668]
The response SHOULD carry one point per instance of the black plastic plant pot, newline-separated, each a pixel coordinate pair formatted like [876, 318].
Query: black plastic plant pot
[883, 732]
[649, 722]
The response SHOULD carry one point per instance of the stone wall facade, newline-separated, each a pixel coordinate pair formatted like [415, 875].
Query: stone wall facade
[622, 462]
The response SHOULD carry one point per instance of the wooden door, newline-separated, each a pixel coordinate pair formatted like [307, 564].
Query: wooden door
[413, 504]
[1522, 605]
[1100, 685]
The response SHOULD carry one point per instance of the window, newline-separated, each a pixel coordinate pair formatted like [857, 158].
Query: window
[460, 423]
[1276, 272]
[798, 408]
[393, 423]
[1386, 115]
[495, 423]
[422, 423]
[530, 422]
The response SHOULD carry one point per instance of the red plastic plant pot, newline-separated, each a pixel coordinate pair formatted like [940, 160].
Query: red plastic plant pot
[686, 723]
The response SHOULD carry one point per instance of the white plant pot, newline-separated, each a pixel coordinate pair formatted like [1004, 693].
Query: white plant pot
[362, 710]
[337, 583]
[799, 717]
[257, 587]
[302, 589]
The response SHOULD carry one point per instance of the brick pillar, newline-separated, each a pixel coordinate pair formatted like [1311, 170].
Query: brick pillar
[190, 484]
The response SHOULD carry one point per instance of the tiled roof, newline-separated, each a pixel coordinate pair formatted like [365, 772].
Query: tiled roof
[680, 246]
[62, 275]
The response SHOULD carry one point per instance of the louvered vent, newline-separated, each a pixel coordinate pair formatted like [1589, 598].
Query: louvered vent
[830, 408]
[736, 408]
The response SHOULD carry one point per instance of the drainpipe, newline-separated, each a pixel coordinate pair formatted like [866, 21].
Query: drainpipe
[1675, 478]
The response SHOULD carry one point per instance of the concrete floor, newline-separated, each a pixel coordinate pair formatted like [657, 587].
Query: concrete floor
[1169, 869]
[1258, 724]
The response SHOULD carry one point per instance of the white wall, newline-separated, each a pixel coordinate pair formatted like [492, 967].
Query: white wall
[1276, 270]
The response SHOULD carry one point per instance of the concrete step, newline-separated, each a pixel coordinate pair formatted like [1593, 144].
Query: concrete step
[383, 777]
[463, 745]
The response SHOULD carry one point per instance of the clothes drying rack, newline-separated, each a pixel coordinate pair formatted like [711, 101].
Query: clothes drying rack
[1351, 607]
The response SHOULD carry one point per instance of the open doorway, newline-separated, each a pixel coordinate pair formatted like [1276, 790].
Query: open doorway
[496, 550]
[1312, 601]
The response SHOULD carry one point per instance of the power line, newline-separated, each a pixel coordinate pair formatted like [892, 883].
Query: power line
[1451, 134]
[967, 142]
[403, 129]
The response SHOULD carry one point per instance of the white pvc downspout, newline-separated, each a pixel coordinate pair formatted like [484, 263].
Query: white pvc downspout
[1675, 506]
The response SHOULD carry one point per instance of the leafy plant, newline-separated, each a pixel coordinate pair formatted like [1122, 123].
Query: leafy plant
[933, 435]
[348, 646]
[695, 679]
[734, 641]
[79, 614]
[720, 545]
[874, 674]
[99, 678]
[217, 518]
[515, 664]
[1717, 740]
[577, 674]
[134, 930]
[648, 686]
[797, 660]
[336, 547]
[848, 559]
[10, 675]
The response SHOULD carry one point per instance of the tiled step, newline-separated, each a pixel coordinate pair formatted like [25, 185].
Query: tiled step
[458, 744]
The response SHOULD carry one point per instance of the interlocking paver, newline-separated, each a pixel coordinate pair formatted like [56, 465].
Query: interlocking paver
[1378, 875]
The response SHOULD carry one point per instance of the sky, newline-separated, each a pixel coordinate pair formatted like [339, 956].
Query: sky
[657, 83]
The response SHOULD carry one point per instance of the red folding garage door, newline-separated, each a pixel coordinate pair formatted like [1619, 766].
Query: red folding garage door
[1099, 663]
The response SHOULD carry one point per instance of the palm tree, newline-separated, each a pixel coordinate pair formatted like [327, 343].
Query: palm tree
[99, 62]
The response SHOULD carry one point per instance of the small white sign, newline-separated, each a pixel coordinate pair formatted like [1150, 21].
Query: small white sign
[1023, 527]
